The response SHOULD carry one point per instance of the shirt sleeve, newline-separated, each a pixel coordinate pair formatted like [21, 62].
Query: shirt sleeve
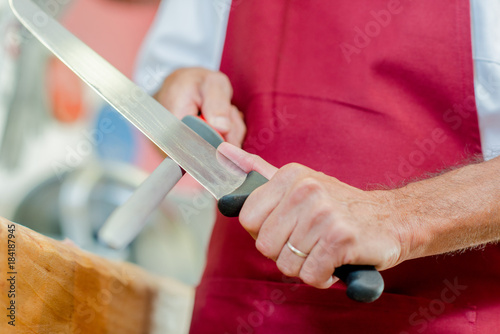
[185, 33]
[486, 55]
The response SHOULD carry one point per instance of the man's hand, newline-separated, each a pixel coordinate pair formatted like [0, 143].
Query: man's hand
[333, 222]
[336, 224]
[188, 91]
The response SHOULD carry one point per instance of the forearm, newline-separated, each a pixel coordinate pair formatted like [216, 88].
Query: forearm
[453, 211]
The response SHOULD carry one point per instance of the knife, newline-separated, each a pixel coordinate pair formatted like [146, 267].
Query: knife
[222, 178]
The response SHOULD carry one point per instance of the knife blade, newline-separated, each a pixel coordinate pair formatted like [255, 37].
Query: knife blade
[197, 157]
[222, 178]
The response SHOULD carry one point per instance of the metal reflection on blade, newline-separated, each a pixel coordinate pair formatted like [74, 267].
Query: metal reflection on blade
[184, 146]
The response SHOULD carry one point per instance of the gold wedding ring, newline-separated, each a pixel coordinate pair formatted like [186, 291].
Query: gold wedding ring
[296, 251]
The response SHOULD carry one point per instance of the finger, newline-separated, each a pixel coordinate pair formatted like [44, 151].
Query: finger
[305, 233]
[246, 161]
[270, 208]
[183, 104]
[216, 92]
[238, 129]
[288, 262]
[262, 200]
[319, 266]
[184, 107]
[258, 207]
[287, 222]
[274, 233]
[182, 98]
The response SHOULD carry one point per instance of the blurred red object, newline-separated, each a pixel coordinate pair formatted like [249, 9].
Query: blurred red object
[114, 29]
[65, 92]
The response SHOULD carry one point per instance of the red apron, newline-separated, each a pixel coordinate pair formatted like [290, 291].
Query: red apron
[375, 93]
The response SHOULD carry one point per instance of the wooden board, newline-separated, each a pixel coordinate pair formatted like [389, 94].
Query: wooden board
[57, 288]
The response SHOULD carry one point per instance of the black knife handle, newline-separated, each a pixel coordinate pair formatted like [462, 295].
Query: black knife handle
[364, 283]
[204, 130]
[230, 205]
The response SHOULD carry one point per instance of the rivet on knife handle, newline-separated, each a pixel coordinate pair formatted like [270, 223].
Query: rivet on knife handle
[364, 283]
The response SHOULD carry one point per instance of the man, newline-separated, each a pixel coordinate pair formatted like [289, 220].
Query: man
[364, 98]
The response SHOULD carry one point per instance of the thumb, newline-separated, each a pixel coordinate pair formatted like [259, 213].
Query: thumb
[246, 161]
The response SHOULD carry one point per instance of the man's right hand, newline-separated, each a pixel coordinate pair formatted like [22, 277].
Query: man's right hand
[188, 91]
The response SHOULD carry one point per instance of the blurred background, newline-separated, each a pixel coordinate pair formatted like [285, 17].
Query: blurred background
[67, 159]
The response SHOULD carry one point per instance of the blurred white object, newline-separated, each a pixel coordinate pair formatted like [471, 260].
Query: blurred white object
[88, 196]
[185, 33]
[486, 50]
[9, 54]
[177, 246]
[24, 104]
[128, 220]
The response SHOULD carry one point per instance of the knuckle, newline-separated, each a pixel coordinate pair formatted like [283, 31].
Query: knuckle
[310, 266]
[285, 268]
[391, 257]
[182, 75]
[180, 71]
[176, 73]
[247, 222]
[323, 212]
[310, 279]
[326, 250]
[341, 243]
[350, 258]
[343, 232]
[264, 246]
[306, 187]
[340, 237]
[252, 160]
[289, 172]
[218, 78]
[292, 169]
[314, 273]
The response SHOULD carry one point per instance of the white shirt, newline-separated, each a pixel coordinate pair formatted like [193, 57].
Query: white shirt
[486, 55]
[190, 33]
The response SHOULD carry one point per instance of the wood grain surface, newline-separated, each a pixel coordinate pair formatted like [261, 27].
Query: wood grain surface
[62, 289]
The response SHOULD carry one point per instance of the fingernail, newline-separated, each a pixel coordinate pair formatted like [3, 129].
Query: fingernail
[221, 123]
[330, 281]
